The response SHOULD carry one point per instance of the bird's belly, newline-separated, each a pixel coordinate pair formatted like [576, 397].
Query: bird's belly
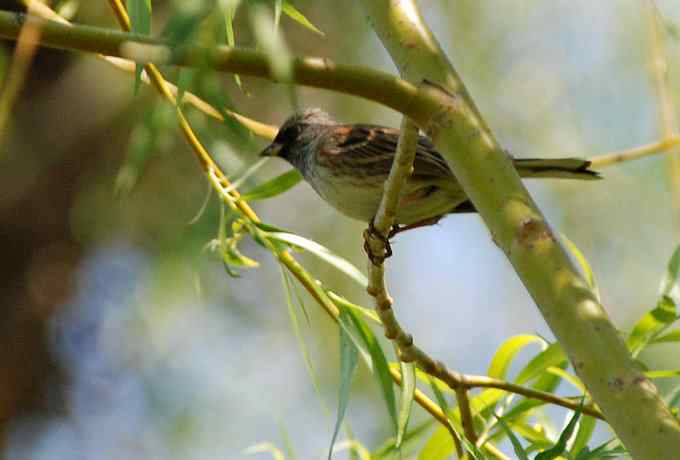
[352, 200]
[425, 202]
[361, 200]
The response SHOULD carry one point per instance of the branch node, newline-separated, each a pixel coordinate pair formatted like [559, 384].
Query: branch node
[391, 334]
[406, 340]
[385, 304]
[406, 355]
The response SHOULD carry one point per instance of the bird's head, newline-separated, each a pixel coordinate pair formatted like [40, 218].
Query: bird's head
[297, 133]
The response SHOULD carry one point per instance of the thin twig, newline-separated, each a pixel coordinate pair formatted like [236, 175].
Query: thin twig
[481, 381]
[383, 221]
[621, 156]
[466, 414]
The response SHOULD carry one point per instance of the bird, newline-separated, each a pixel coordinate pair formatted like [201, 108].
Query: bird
[348, 164]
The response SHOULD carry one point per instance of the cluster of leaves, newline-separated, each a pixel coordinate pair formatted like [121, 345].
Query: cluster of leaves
[498, 415]
[210, 21]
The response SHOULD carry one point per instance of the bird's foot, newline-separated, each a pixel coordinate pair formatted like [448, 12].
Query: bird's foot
[372, 233]
[396, 229]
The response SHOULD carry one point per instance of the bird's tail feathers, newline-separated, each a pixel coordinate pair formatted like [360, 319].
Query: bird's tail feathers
[561, 168]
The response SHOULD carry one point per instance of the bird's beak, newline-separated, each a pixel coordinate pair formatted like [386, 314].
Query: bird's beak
[272, 150]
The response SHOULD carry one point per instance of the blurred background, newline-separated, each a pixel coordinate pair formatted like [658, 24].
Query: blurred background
[121, 337]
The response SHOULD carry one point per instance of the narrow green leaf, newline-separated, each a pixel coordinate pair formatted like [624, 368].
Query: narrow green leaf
[348, 364]
[288, 445]
[610, 449]
[273, 187]
[269, 227]
[662, 374]
[290, 11]
[203, 207]
[140, 21]
[143, 139]
[295, 324]
[672, 336]
[670, 284]
[150, 136]
[368, 313]
[324, 254]
[428, 379]
[506, 353]
[186, 76]
[535, 435]
[345, 323]
[230, 36]
[561, 444]
[439, 396]
[277, 13]
[185, 21]
[211, 87]
[564, 375]
[438, 447]
[349, 444]
[67, 9]
[651, 324]
[301, 302]
[583, 263]
[272, 44]
[586, 427]
[516, 445]
[266, 448]
[408, 388]
[546, 382]
[672, 29]
[233, 257]
[242, 176]
[356, 450]
[672, 398]
[551, 356]
[486, 400]
[389, 447]
[381, 369]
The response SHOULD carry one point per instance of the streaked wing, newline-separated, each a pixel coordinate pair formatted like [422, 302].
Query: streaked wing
[373, 148]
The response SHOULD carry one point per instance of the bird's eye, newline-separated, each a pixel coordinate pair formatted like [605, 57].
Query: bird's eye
[288, 134]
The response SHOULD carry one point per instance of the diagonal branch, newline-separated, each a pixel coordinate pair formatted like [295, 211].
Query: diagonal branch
[518, 227]
[418, 103]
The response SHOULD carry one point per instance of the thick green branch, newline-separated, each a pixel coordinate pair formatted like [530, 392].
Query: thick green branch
[381, 87]
[629, 401]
